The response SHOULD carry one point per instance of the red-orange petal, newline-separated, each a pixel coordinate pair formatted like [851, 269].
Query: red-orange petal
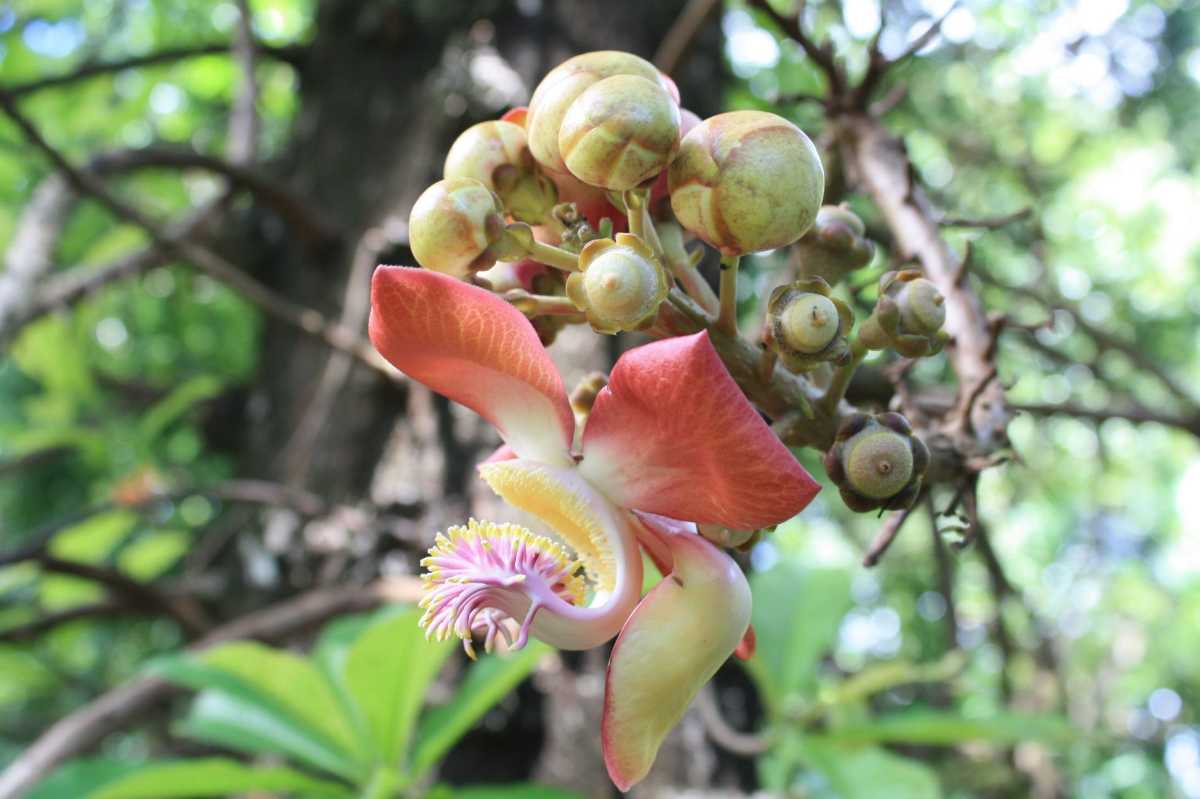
[476, 349]
[673, 434]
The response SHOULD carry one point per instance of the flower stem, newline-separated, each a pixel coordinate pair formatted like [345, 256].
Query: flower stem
[841, 378]
[683, 268]
[553, 256]
[727, 316]
[540, 304]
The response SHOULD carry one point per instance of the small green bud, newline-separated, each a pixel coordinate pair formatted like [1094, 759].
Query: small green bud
[453, 225]
[553, 97]
[908, 316]
[620, 284]
[746, 181]
[620, 132]
[877, 462]
[806, 326]
[834, 246]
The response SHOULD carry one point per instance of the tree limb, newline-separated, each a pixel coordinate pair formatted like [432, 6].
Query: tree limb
[307, 320]
[290, 55]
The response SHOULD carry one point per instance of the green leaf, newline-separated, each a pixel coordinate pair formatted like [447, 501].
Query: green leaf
[796, 617]
[284, 685]
[387, 672]
[869, 772]
[169, 409]
[947, 729]
[78, 777]
[225, 720]
[486, 683]
[214, 777]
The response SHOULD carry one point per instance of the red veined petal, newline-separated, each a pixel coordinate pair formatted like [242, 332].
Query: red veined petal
[476, 349]
[673, 434]
[674, 641]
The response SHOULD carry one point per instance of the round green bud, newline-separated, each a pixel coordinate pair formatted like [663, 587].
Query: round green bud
[620, 132]
[553, 97]
[746, 181]
[922, 307]
[620, 285]
[878, 462]
[809, 323]
[453, 225]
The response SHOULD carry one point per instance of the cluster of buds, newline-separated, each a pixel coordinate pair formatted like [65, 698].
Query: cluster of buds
[908, 316]
[877, 462]
[807, 326]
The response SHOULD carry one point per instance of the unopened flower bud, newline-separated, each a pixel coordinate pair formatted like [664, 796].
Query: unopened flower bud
[620, 132]
[806, 326]
[834, 246]
[620, 284]
[453, 225]
[562, 85]
[908, 316]
[496, 154]
[746, 181]
[877, 462]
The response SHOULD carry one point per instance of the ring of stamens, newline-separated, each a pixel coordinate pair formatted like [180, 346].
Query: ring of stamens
[469, 568]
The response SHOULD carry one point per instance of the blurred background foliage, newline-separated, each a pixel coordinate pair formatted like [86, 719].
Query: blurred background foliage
[902, 680]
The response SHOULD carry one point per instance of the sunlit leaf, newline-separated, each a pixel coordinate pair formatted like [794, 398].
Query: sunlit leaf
[216, 777]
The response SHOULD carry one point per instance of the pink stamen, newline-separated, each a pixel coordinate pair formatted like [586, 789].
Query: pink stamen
[480, 576]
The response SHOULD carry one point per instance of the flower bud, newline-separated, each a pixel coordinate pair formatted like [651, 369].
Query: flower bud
[453, 225]
[746, 181]
[806, 326]
[496, 154]
[620, 132]
[834, 246]
[562, 85]
[620, 284]
[908, 316]
[877, 462]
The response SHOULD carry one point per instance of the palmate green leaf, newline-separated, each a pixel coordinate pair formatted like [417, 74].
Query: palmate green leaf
[78, 777]
[796, 617]
[216, 777]
[947, 729]
[869, 772]
[282, 684]
[487, 682]
[386, 674]
[219, 718]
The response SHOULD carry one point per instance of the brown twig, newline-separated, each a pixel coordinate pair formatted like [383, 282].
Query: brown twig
[682, 32]
[878, 65]
[887, 534]
[187, 614]
[307, 320]
[291, 55]
[34, 629]
[821, 54]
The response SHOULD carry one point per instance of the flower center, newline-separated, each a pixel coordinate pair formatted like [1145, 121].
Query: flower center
[473, 570]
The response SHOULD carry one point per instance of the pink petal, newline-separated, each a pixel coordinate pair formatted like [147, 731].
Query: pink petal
[672, 644]
[673, 434]
[476, 349]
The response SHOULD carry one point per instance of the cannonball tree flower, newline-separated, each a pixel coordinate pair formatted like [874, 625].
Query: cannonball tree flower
[670, 442]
